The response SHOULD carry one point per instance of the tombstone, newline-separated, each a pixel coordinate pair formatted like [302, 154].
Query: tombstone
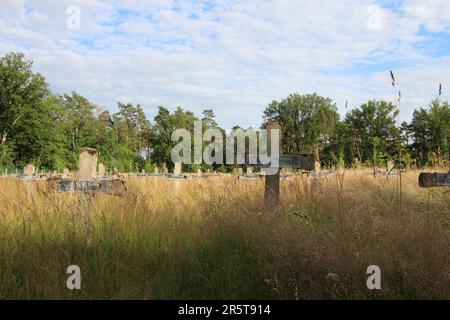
[177, 169]
[87, 164]
[249, 170]
[29, 170]
[65, 173]
[143, 171]
[240, 171]
[390, 165]
[317, 166]
[101, 170]
[199, 171]
[156, 170]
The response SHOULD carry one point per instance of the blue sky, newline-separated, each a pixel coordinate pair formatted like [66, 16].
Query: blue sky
[235, 56]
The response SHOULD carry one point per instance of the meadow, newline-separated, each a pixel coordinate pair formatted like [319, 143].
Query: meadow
[213, 239]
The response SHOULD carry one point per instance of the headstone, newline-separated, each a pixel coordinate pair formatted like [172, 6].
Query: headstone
[177, 169]
[65, 173]
[87, 164]
[199, 171]
[101, 170]
[249, 170]
[156, 170]
[143, 171]
[317, 167]
[240, 171]
[29, 170]
[390, 165]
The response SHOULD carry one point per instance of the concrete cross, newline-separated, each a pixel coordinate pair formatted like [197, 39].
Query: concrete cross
[272, 181]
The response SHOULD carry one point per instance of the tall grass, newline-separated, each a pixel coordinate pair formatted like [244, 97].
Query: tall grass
[212, 238]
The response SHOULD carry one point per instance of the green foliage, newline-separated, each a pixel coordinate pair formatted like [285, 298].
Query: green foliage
[306, 120]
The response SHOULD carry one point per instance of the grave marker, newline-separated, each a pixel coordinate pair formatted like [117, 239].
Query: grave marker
[272, 181]
[87, 164]
[177, 169]
[101, 170]
[390, 165]
[436, 179]
[29, 170]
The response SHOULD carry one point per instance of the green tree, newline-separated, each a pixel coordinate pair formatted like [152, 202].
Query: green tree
[372, 130]
[307, 122]
[29, 115]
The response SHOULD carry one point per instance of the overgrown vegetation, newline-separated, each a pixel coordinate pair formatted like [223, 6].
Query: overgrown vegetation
[213, 239]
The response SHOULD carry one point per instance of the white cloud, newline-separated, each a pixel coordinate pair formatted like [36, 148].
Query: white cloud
[234, 56]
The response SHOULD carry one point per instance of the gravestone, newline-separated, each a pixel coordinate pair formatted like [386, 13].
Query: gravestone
[199, 171]
[177, 169]
[101, 170]
[156, 170]
[65, 173]
[143, 171]
[317, 167]
[240, 171]
[29, 170]
[87, 164]
[249, 170]
[390, 165]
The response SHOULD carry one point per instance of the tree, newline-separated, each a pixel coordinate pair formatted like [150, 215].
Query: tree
[29, 115]
[307, 122]
[372, 130]
[430, 133]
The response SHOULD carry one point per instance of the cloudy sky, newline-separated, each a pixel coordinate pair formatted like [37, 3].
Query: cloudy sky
[234, 56]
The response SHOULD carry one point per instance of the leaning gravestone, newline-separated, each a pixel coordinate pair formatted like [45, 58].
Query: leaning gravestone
[29, 170]
[87, 164]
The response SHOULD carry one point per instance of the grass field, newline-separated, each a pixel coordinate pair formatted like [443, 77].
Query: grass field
[212, 239]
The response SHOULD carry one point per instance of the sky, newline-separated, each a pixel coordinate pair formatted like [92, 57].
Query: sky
[234, 56]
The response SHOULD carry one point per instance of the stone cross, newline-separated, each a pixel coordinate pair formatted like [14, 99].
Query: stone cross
[272, 181]
[87, 167]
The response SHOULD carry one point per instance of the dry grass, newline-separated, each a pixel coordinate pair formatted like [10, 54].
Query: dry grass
[212, 238]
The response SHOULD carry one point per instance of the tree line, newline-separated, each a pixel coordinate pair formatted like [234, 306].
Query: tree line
[47, 129]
